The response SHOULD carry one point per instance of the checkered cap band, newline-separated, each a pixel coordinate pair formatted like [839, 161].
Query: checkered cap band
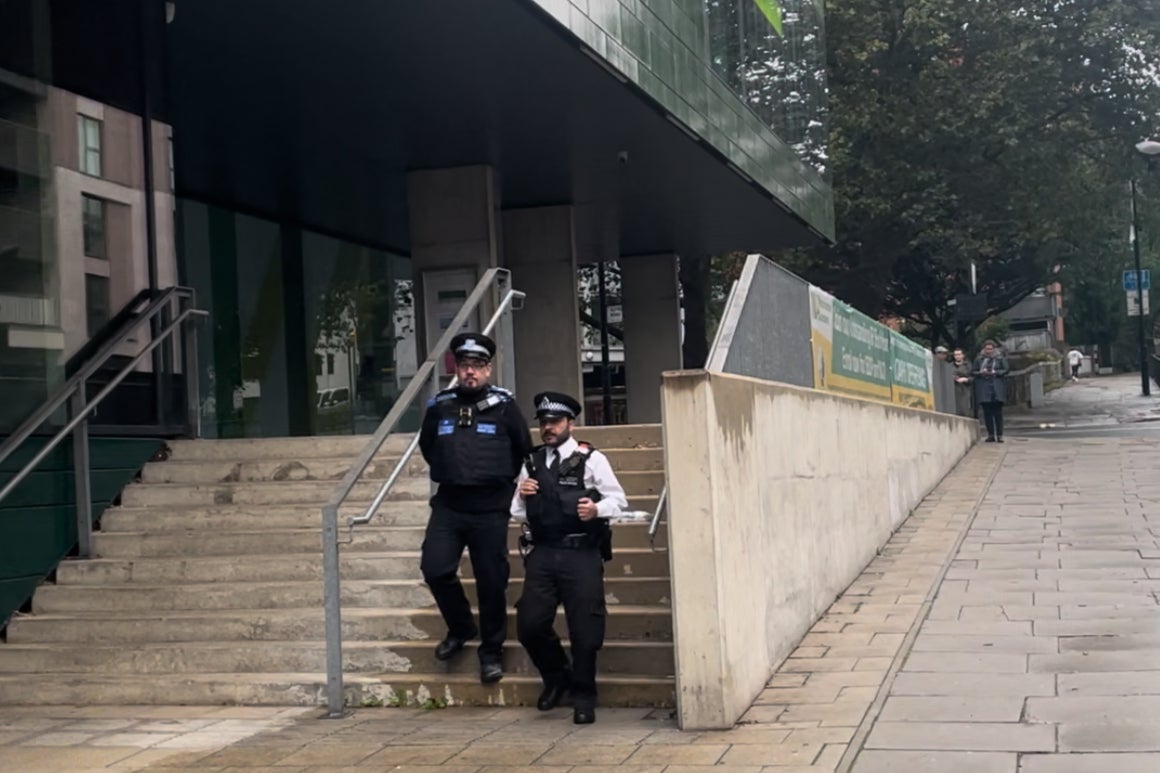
[551, 406]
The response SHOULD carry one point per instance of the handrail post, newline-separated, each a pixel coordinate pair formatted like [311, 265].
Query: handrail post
[332, 589]
[81, 477]
[192, 380]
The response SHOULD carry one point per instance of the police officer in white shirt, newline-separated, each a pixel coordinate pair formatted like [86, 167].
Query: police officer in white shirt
[566, 492]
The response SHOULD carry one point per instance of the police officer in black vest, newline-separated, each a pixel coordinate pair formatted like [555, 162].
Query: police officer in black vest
[474, 439]
[566, 492]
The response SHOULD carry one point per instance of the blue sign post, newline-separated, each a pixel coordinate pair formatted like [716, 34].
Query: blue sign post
[1130, 280]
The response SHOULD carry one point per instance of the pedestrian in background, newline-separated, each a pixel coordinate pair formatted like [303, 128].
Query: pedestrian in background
[1075, 360]
[962, 369]
[990, 379]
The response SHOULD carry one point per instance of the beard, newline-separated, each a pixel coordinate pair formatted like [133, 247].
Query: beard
[556, 439]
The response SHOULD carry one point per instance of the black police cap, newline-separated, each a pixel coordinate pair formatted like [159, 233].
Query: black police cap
[473, 345]
[556, 405]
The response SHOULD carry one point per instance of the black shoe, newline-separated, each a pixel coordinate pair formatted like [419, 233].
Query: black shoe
[1000, 439]
[451, 646]
[490, 673]
[551, 696]
[989, 440]
[583, 715]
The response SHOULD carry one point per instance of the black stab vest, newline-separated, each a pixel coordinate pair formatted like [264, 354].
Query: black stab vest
[472, 445]
[552, 511]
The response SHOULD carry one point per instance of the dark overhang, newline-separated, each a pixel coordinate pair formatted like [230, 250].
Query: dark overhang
[314, 111]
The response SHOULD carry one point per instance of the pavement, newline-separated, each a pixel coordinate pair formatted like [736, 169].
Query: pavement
[1091, 407]
[1011, 625]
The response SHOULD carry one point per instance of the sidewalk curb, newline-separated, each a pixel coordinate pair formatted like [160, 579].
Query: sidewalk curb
[846, 763]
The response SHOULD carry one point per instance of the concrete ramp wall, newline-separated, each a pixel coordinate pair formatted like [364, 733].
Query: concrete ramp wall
[778, 497]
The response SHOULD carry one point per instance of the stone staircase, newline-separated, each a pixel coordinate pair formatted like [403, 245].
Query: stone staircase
[207, 589]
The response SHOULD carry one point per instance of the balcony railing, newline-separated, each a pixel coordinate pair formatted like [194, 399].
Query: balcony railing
[23, 149]
[22, 234]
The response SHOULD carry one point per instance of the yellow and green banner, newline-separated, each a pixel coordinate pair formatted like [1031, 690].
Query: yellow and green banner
[851, 351]
[855, 355]
[912, 373]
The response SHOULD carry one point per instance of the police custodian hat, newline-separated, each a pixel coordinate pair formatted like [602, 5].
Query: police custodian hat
[556, 405]
[473, 345]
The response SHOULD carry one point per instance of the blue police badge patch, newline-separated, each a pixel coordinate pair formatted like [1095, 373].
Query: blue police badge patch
[485, 429]
[447, 427]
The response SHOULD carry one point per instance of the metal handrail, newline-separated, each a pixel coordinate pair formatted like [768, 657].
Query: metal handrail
[654, 526]
[69, 387]
[73, 393]
[493, 281]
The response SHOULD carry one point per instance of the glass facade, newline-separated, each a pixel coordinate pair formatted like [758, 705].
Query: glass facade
[30, 290]
[747, 76]
[780, 73]
[307, 335]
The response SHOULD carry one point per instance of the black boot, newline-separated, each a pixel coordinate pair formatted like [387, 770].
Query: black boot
[584, 715]
[490, 672]
[452, 646]
[554, 691]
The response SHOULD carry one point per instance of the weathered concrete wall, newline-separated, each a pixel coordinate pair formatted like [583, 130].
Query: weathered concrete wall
[778, 497]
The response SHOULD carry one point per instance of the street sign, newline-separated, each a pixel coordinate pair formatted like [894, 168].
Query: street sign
[970, 308]
[1130, 280]
[1133, 299]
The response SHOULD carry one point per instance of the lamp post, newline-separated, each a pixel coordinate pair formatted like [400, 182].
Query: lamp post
[1149, 148]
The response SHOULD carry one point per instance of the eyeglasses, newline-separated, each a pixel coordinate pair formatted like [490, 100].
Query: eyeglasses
[473, 364]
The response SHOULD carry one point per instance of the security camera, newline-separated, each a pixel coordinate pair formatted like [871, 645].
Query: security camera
[622, 158]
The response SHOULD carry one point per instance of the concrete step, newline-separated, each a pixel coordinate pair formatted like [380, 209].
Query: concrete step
[247, 517]
[239, 517]
[356, 565]
[307, 689]
[308, 494]
[623, 436]
[263, 449]
[314, 467]
[313, 493]
[377, 594]
[248, 470]
[377, 539]
[652, 623]
[617, 657]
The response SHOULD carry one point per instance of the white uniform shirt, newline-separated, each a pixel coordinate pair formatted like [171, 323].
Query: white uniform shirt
[598, 474]
[1075, 357]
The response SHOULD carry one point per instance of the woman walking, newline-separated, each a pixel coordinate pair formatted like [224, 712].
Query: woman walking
[990, 375]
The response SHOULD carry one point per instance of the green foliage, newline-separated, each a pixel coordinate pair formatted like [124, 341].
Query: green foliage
[996, 328]
[998, 132]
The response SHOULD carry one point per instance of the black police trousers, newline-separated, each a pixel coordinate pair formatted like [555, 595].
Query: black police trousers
[486, 536]
[574, 578]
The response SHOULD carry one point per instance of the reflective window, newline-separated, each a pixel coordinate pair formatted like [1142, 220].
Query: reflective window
[311, 334]
[93, 215]
[96, 302]
[779, 73]
[89, 132]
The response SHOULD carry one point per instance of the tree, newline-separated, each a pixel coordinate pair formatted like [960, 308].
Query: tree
[993, 131]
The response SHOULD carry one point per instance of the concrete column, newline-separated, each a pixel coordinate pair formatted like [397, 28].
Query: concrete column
[652, 331]
[455, 224]
[540, 250]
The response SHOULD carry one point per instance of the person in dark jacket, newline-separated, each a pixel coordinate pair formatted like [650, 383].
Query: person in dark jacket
[964, 406]
[474, 438]
[990, 375]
